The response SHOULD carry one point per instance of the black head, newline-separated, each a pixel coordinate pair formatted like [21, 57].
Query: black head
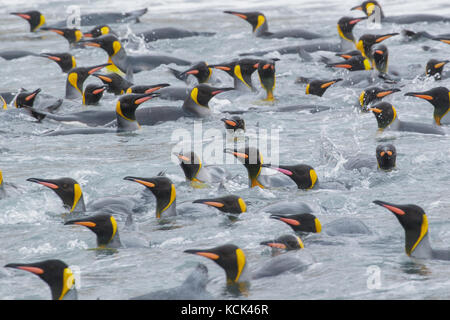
[190, 163]
[367, 41]
[34, 18]
[26, 99]
[203, 93]
[116, 83]
[285, 242]
[374, 94]
[103, 225]
[146, 88]
[65, 61]
[108, 42]
[93, 93]
[201, 71]
[252, 159]
[385, 114]
[98, 31]
[77, 76]
[128, 103]
[386, 156]
[380, 56]
[413, 220]
[349, 54]
[266, 73]
[303, 222]
[435, 67]
[234, 123]
[55, 273]
[257, 20]
[230, 257]
[68, 190]
[302, 174]
[369, 8]
[355, 63]
[229, 204]
[345, 27]
[70, 34]
[438, 97]
[318, 87]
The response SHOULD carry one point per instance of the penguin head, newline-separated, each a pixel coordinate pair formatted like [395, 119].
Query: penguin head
[257, 20]
[318, 87]
[241, 70]
[386, 156]
[266, 73]
[303, 222]
[355, 63]
[68, 190]
[345, 27]
[98, 31]
[369, 8]
[162, 188]
[385, 114]
[374, 94]
[55, 273]
[93, 93]
[228, 204]
[127, 104]
[434, 68]
[146, 88]
[380, 55]
[366, 41]
[71, 34]
[190, 163]
[116, 83]
[66, 61]
[349, 54]
[199, 97]
[286, 242]
[108, 42]
[26, 99]
[229, 256]
[201, 71]
[34, 18]
[76, 78]
[439, 97]
[252, 159]
[103, 225]
[413, 220]
[302, 174]
[234, 123]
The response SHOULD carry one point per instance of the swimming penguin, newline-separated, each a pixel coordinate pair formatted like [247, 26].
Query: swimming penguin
[439, 97]
[304, 176]
[125, 117]
[105, 228]
[195, 105]
[345, 27]
[115, 83]
[76, 78]
[55, 273]
[198, 174]
[367, 41]
[386, 156]
[415, 223]
[35, 19]
[227, 204]
[234, 123]
[65, 61]
[372, 7]
[267, 77]
[193, 288]
[16, 54]
[98, 31]
[93, 93]
[130, 64]
[170, 33]
[387, 118]
[373, 95]
[201, 71]
[318, 87]
[434, 69]
[261, 27]
[241, 71]
[164, 191]
[72, 35]
[356, 63]
[301, 223]
[285, 242]
[27, 100]
[252, 160]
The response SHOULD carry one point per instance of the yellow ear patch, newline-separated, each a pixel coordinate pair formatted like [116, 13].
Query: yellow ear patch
[76, 195]
[73, 79]
[68, 282]
[261, 21]
[104, 30]
[313, 175]
[240, 257]
[242, 205]
[361, 98]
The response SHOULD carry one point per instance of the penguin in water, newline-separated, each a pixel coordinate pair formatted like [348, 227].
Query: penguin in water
[355, 63]
[387, 118]
[234, 123]
[195, 105]
[93, 93]
[373, 95]
[34, 18]
[345, 27]
[267, 77]
[304, 176]
[373, 8]
[56, 273]
[16, 54]
[27, 100]
[193, 288]
[114, 82]
[285, 242]
[76, 77]
[171, 33]
[434, 68]
[98, 31]
[65, 61]
[198, 174]
[318, 87]
[260, 27]
[125, 63]
[439, 97]
[415, 223]
[228, 204]
[72, 35]
[385, 160]
[241, 71]
[367, 41]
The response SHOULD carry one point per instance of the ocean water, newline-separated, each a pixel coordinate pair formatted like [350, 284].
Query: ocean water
[339, 267]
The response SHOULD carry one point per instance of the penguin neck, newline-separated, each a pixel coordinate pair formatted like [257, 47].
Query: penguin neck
[119, 59]
[193, 108]
[254, 172]
[72, 92]
[262, 29]
[167, 205]
[423, 249]
[79, 207]
[72, 294]
[417, 243]
[242, 82]
[113, 243]
[441, 116]
[126, 121]
[347, 45]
